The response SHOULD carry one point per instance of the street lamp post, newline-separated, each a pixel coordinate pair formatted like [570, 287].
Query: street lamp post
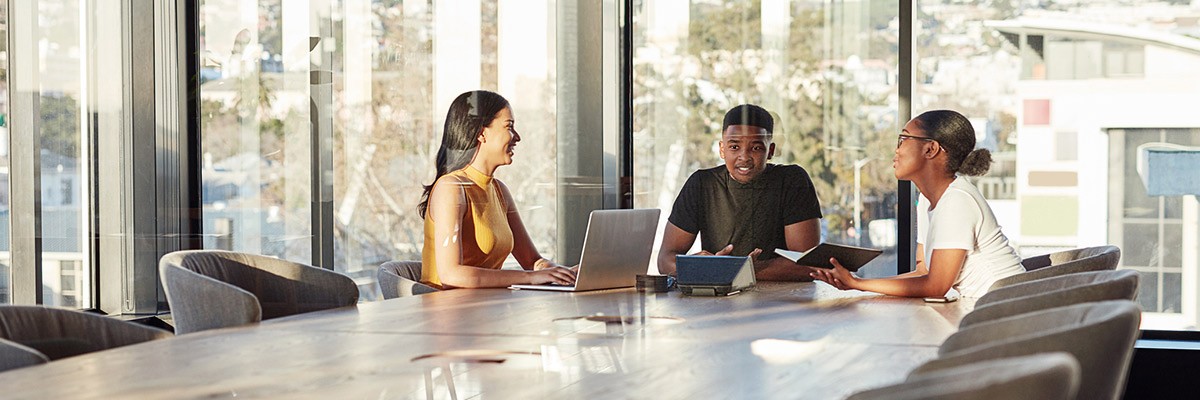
[858, 199]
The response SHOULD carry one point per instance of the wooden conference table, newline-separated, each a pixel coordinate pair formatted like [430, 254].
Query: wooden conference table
[780, 340]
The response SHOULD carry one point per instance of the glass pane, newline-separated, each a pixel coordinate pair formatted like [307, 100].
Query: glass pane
[826, 70]
[1172, 291]
[387, 130]
[384, 136]
[1148, 291]
[1172, 246]
[1141, 245]
[385, 74]
[1137, 203]
[5, 252]
[255, 107]
[80, 91]
[1107, 78]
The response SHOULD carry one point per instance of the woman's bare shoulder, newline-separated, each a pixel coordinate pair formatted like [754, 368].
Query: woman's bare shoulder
[448, 188]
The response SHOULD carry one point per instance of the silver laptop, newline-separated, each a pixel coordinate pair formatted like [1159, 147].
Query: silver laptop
[616, 248]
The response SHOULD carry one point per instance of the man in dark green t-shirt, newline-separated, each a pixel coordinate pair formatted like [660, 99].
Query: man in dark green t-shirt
[746, 207]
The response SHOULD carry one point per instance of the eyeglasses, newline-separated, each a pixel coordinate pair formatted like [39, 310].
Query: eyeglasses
[900, 139]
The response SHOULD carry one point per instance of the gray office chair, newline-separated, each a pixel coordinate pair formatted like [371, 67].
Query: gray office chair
[15, 355]
[1099, 335]
[401, 279]
[1042, 294]
[1087, 259]
[1047, 376]
[209, 289]
[37, 334]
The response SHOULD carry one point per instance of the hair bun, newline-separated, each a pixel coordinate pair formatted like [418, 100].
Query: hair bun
[976, 163]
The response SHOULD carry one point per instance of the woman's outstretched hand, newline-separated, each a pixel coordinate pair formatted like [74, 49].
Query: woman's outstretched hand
[838, 277]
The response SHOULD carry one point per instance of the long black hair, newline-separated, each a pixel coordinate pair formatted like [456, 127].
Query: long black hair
[954, 133]
[469, 113]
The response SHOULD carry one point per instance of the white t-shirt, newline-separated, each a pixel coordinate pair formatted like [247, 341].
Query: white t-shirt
[963, 220]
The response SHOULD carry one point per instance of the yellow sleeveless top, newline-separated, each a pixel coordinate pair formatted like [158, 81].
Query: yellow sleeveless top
[486, 237]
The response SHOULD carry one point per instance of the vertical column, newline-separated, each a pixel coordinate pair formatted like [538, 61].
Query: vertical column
[906, 193]
[321, 46]
[1190, 249]
[89, 91]
[610, 68]
[580, 122]
[112, 229]
[625, 104]
[165, 136]
[24, 144]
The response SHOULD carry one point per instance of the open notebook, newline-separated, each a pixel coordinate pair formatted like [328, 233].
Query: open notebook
[850, 257]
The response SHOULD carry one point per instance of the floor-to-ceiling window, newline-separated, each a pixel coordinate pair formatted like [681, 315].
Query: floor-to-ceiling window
[1064, 94]
[319, 118]
[71, 88]
[255, 118]
[5, 253]
[1152, 229]
[826, 70]
[357, 91]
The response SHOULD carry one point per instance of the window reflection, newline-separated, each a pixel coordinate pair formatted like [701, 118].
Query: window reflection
[385, 73]
[827, 70]
[78, 79]
[5, 253]
[1063, 94]
[254, 119]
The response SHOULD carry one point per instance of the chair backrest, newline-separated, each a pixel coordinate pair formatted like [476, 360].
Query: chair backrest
[1053, 292]
[1099, 335]
[214, 289]
[401, 279]
[14, 355]
[58, 333]
[1047, 376]
[1060, 263]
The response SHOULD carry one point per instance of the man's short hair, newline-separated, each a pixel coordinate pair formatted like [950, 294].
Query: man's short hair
[749, 114]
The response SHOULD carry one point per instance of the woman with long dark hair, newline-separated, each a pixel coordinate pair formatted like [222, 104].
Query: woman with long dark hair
[471, 223]
[959, 243]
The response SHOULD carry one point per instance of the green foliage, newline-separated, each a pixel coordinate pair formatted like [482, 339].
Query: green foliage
[60, 124]
[826, 119]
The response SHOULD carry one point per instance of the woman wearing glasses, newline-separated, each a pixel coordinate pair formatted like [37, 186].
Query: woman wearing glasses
[471, 223]
[959, 243]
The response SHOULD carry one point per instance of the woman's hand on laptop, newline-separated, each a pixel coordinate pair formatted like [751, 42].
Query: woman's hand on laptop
[555, 275]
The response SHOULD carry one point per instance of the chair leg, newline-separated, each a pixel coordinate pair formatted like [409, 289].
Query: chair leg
[429, 384]
[449, 381]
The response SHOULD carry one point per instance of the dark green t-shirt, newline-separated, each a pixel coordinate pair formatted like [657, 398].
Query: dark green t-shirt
[724, 211]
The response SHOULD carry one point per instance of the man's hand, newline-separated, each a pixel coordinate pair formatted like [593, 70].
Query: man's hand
[723, 252]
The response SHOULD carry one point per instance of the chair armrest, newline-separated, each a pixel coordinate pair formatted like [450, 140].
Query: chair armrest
[15, 355]
[199, 303]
